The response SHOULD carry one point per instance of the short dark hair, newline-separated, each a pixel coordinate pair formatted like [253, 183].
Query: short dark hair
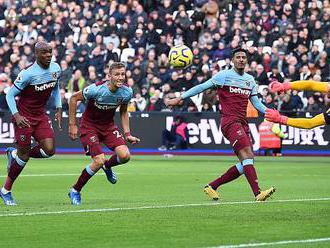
[238, 49]
[116, 65]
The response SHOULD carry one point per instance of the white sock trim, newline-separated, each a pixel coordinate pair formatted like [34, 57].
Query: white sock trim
[42, 152]
[4, 191]
[73, 190]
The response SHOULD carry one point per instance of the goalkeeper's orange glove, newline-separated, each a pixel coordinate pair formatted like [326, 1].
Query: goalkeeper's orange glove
[279, 87]
[273, 115]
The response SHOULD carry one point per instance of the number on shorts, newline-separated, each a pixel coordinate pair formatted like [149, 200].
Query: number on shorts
[117, 133]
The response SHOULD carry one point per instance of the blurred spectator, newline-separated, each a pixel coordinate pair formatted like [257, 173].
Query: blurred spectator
[290, 40]
[269, 101]
[261, 76]
[138, 40]
[4, 87]
[177, 137]
[65, 75]
[140, 102]
[286, 106]
[296, 101]
[275, 75]
[312, 105]
[76, 83]
[154, 104]
[110, 54]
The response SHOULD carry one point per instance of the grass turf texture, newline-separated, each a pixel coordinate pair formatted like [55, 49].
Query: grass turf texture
[159, 181]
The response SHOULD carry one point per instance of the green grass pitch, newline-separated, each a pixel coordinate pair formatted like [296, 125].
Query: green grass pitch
[159, 202]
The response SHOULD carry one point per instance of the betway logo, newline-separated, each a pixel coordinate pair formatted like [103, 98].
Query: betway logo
[239, 91]
[104, 107]
[45, 86]
[208, 131]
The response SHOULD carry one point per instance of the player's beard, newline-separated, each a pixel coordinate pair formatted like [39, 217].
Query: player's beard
[119, 84]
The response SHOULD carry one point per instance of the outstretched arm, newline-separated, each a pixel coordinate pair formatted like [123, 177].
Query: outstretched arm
[301, 85]
[191, 92]
[258, 104]
[307, 123]
[198, 89]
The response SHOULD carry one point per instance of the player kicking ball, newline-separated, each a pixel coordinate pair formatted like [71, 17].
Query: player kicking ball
[97, 126]
[234, 88]
[33, 86]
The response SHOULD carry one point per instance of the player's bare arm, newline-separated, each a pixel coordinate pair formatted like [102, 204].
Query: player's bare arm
[21, 121]
[58, 118]
[73, 128]
[58, 104]
[125, 124]
[174, 101]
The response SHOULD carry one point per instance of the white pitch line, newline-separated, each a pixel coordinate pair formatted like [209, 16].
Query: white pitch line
[124, 173]
[53, 175]
[45, 175]
[155, 207]
[283, 242]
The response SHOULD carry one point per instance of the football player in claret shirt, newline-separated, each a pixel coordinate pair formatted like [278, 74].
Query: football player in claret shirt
[235, 88]
[307, 123]
[33, 86]
[97, 126]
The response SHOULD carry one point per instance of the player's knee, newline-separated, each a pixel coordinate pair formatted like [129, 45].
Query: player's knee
[24, 153]
[124, 158]
[99, 160]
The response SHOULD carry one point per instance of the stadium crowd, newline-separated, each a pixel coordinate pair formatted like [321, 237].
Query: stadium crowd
[286, 41]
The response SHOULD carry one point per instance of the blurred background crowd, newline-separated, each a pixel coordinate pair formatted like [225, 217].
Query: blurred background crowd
[286, 41]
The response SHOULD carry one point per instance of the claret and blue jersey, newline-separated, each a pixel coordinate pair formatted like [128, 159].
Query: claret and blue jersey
[102, 103]
[234, 91]
[34, 85]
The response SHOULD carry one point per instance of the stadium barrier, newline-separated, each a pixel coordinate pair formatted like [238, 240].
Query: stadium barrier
[205, 136]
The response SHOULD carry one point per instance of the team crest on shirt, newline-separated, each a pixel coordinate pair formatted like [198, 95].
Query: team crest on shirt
[239, 132]
[22, 137]
[54, 75]
[92, 139]
[120, 99]
[248, 83]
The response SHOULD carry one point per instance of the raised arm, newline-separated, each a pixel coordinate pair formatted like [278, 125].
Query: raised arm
[191, 92]
[198, 89]
[301, 85]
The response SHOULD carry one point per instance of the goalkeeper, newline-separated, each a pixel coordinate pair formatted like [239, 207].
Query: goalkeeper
[307, 123]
